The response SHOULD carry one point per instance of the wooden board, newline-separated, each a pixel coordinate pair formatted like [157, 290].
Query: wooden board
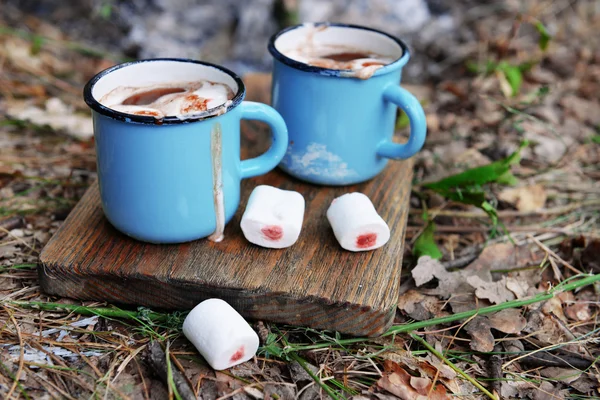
[314, 283]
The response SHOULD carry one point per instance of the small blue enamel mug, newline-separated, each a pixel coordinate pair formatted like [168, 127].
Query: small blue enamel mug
[173, 180]
[340, 126]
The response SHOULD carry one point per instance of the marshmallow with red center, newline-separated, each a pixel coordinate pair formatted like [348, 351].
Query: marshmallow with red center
[220, 334]
[356, 224]
[273, 217]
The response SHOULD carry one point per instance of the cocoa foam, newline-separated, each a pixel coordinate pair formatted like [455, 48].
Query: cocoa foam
[180, 99]
[323, 55]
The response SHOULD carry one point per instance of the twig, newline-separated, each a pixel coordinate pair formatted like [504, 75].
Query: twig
[461, 261]
[21, 353]
[587, 280]
[454, 367]
[11, 223]
[509, 213]
[237, 391]
[11, 376]
[181, 369]
[546, 359]
[494, 365]
[326, 388]
[105, 312]
[553, 254]
[468, 229]
[542, 350]
[18, 239]
[161, 364]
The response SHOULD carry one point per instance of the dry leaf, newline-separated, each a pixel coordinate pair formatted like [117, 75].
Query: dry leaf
[554, 306]
[578, 312]
[18, 51]
[585, 384]
[429, 366]
[590, 257]
[517, 286]
[426, 269]
[496, 292]
[524, 283]
[584, 110]
[398, 382]
[419, 306]
[527, 390]
[57, 115]
[548, 391]
[511, 389]
[420, 383]
[513, 346]
[481, 335]
[8, 251]
[471, 158]
[543, 328]
[526, 198]
[444, 370]
[502, 256]
[548, 149]
[565, 375]
[254, 392]
[508, 321]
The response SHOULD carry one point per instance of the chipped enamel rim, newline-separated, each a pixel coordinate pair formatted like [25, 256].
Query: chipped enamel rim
[399, 63]
[95, 105]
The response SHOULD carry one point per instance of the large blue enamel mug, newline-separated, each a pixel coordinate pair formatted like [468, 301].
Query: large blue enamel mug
[173, 180]
[341, 127]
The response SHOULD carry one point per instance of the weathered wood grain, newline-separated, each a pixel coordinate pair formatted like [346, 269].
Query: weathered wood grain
[314, 283]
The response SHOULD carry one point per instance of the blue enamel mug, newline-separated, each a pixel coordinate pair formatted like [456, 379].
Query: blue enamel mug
[340, 126]
[175, 180]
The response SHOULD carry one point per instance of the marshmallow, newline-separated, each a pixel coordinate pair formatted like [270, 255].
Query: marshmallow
[356, 224]
[220, 334]
[273, 217]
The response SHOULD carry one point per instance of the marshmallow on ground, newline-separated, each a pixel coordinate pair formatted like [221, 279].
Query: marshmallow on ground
[273, 217]
[356, 224]
[220, 334]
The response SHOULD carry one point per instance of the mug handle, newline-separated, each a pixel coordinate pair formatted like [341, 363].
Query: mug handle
[418, 125]
[270, 159]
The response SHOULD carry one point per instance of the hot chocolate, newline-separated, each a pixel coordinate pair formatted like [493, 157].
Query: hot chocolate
[178, 99]
[321, 47]
[359, 63]
[348, 59]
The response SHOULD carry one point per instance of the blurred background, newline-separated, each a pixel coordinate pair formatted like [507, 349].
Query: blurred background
[235, 33]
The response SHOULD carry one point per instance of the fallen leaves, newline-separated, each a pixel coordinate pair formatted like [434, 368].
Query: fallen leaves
[479, 280]
[526, 198]
[504, 256]
[496, 292]
[578, 311]
[419, 306]
[407, 387]
[482, 338]
[466, 288]
[543, 328]
[582, 109]
[590, 256]
[56, 114]
[508, 321]
[427, 269]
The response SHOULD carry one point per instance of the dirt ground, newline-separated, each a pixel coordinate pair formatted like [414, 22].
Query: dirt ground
[520, 235]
